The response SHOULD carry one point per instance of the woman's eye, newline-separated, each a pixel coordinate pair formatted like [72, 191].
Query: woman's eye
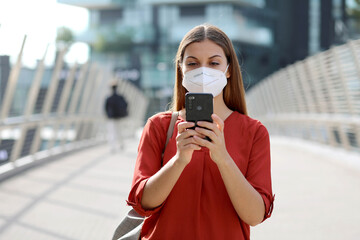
[215, 63]
[191, 64]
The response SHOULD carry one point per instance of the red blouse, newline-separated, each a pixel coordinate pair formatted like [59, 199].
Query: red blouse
[199, 206]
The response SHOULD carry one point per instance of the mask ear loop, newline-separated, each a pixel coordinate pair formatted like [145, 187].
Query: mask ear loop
[226, 69]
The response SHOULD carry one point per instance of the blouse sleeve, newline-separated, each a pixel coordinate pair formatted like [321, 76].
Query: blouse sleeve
[148, 162]
[259, 168]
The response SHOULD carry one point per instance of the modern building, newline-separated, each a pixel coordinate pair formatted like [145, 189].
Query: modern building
[146, 34]
[267, 34]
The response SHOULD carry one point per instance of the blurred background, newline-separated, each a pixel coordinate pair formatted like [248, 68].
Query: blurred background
[139, 39]
[300, 61]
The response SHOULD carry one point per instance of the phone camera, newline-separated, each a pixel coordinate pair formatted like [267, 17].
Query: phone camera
[191, 99]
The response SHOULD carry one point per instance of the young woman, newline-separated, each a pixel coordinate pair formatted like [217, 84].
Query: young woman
[204, 189]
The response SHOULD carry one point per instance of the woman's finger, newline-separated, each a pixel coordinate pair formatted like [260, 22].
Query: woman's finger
[192, 146]
[184, 125]
[204, 124]
[187, 141]
[218, 121]
[187, 134]
[202, 142]
[206, 132]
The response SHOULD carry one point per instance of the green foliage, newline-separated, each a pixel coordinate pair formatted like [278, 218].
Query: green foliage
[64, 36]
[119, 43]
[355, 10]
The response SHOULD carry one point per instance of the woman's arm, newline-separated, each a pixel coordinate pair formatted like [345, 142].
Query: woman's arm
[159, 186]
[247, 202]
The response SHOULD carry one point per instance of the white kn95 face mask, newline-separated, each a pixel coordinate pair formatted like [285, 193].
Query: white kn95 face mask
[205, 80]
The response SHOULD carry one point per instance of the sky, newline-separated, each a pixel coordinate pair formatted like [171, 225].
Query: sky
[39, 20]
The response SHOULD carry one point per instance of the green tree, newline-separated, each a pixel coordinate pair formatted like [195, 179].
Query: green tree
[119, 43]
[64, 37]
[355, 10]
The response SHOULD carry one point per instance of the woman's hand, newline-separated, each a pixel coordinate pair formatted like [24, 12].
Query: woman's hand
[215, 131]
[185, 142]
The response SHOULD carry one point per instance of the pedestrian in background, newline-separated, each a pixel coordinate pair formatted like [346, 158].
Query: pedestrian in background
[116, 111]
[200, 189]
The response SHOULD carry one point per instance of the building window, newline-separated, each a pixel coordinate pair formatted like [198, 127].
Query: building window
[110, 15]
[192, 11]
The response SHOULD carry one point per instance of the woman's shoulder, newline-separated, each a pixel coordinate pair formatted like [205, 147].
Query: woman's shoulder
[248, 122]
[161, 118]
[245, 118]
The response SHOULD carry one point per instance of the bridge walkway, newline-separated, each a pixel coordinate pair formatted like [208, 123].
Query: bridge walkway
[82, 195]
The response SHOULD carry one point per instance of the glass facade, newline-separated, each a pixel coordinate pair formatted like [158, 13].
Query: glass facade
[143, 35]
[314, 26]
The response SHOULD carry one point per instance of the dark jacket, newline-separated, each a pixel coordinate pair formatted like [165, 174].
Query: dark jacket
[116, 106]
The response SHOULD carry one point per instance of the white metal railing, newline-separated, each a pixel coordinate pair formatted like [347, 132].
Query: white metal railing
[315, 99]
[70, 117]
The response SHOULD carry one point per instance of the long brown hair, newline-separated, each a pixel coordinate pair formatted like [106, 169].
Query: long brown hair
[234, 92]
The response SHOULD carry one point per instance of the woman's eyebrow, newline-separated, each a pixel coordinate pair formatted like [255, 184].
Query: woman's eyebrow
[190, 57]
[209, 57]
[214, 56]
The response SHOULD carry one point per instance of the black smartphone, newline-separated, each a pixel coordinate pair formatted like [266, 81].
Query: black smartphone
[199, 107]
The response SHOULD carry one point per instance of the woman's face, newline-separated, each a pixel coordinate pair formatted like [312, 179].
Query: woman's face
[204, 54]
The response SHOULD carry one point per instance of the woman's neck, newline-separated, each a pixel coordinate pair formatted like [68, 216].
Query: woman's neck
[220, 107]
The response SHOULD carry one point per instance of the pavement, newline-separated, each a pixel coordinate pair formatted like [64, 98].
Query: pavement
[82, 195]
[317, 193]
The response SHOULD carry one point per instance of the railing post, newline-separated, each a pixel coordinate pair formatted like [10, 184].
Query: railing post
[332, 92]
[94, 93]
[65, 96]
[35, 86]
[10, 90]
[356, 58]
[83, 120]
[30, 103]
[54, 83]
[99, 105]
[48, 102]
[62, 104]
[9, 95]
[342, 81]
[306, 92]
[312, 65]
[74, 101]
[297, 89]
[270, 96]
[11, 85]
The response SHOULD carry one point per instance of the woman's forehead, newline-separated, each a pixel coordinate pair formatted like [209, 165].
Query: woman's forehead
[206, 48]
